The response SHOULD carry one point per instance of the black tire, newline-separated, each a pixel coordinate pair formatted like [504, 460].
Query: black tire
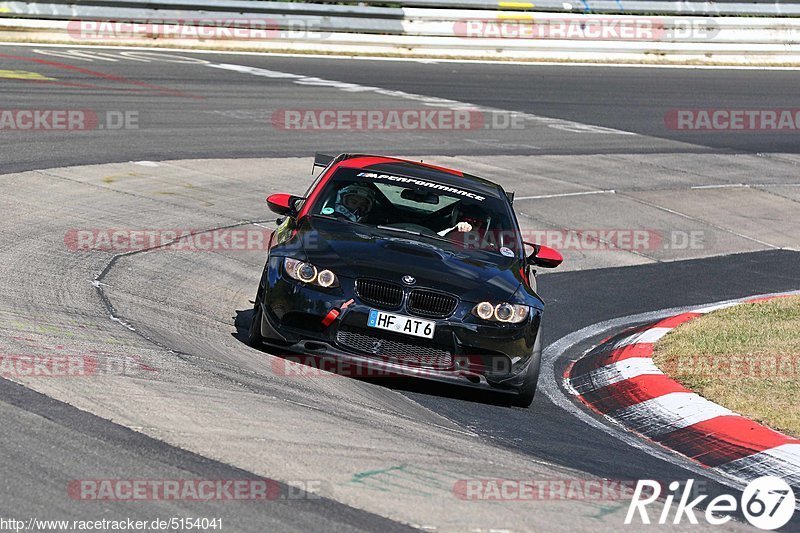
[254, 337]
[527, 391]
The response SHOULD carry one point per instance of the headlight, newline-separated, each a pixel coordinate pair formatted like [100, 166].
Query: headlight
[484, 310]
[308, 273]
[503, 312]
[326, 278]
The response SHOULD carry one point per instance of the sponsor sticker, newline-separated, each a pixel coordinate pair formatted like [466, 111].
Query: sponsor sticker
[421, 183]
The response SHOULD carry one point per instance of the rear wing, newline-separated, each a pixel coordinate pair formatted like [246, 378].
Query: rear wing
[323, 160]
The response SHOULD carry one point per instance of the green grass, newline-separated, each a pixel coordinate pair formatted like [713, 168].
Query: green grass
[746, 358]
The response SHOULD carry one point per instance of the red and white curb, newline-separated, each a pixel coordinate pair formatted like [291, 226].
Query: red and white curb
[619, 380]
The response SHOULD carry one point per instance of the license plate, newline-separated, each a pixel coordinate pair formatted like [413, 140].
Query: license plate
[401, 324]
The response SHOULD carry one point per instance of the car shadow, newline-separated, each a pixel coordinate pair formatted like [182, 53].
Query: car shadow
[399, 383]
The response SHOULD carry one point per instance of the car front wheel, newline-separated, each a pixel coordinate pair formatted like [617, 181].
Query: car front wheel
[527, 390]
[254, 337]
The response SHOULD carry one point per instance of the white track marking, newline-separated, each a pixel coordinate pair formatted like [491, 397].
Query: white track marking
[786, 452]
[620, 371]
[255, 71]
[669, 412]
[431, 101]
[406, 59]
[563, 194]
[744, 185]
[783, 458]
[140, 55]
[717, 307]
[79, 55]
[720, 186]
[647, 336]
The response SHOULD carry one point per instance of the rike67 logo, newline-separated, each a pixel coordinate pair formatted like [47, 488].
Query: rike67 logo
[768, 503]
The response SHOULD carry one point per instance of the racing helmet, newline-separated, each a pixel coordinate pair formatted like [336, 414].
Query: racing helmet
[471, 213]
[355, 201]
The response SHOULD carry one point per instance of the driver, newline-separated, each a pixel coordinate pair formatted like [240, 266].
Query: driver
[466, 218]
[355, 202]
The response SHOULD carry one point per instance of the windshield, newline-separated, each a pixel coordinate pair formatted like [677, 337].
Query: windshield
[421, 207]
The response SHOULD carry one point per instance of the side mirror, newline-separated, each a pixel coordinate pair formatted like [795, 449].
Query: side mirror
[283, 204]
[544, 256]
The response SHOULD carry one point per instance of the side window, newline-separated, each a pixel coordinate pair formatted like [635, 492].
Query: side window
[300, 203]
[317, 179]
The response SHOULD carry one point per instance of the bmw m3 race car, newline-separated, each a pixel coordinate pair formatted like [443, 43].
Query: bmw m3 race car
[407, 268]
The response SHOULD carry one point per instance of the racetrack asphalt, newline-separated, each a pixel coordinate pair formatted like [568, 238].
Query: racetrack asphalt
[204, 415]
[192, 99]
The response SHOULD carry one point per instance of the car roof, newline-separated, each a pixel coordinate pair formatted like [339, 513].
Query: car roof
[418, 169]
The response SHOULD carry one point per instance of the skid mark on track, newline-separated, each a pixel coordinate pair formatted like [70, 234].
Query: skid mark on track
[405, 479]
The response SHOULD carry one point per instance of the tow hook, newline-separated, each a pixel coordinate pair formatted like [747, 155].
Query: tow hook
[334, 313]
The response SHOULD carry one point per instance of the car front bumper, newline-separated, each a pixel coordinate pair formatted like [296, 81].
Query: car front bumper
[464, 350]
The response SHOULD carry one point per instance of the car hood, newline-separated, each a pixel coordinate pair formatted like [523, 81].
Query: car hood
[354, 251]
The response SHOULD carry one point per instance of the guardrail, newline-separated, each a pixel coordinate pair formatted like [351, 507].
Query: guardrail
[367, 8]
[663, 7]
[483, 33]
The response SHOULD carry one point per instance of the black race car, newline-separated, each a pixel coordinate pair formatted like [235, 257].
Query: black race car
[404, 268]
